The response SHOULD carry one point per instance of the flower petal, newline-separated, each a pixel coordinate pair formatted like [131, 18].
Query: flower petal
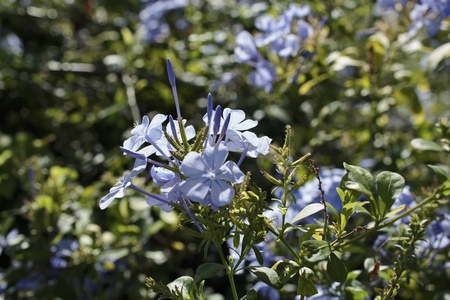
[139, 130]
[216, 156]
[246, 124]
[161, 175]
[193, 165]
[133, 143]
[231, 172]
[195, 189]
[147, 151]
[158, 120]
[221, 193]
[155, 202]
[139, 166]
[106, 200]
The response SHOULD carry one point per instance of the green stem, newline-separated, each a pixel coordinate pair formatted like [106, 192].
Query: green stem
[288, 246]
[183, 135]
[230, 272]
[387, 223]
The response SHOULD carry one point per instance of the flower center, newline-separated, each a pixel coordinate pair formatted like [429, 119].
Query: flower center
[212, 175]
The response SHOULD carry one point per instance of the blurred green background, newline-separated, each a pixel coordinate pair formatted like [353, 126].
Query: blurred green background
[76, 75]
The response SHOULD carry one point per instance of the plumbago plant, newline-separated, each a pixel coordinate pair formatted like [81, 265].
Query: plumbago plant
[218, 203]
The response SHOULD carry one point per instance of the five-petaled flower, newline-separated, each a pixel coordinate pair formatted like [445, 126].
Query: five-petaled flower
[208, 175]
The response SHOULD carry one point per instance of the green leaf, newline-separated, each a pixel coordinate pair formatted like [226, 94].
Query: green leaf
[206, 248]
[267, 275]
[361, 180]
[236, 240]
[184, 284]
[127, 36]
[306, 286]
[251, 295]
[308, 234]
[336, 269]
[46, 202]
[341, 194]
[208, 270]
[333, 210]
[441, 174]
[425, 145]
[319, 249]
[307, 211]
[349, 195]
[395, 211]
[305, 87]
[361, 210]
[258, 255]
[390, 187]
[348, 210]
[357, 293]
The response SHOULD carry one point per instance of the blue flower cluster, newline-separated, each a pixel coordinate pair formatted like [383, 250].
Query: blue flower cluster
[152, 23]
[283, 36]
[197, 172]
[427, 14]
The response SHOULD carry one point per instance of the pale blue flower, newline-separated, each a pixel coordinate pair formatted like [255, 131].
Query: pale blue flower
[208, 175]
[245, 50]
[286, 45]
[264, 23]
[170, 194]
[304, 30]
[264, 75]
[249, 143]
[273, 29]
[429, 14]
[143, 133]
[152, 24]
[118, 191]
[161, 175]
[299, 11]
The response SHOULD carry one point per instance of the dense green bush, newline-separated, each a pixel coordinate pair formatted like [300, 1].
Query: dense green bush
[368, 86]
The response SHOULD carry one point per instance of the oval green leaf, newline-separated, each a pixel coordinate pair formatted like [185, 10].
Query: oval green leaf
[307, 211]
[425, 145]
[390, 187]
[267, 275]
[208, 270]
[336, 269]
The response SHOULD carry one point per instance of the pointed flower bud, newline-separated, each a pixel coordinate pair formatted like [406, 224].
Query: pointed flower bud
[209, 109]
[224, 129]
[173, 85]
[217, 117]
[170, 73]
[173, 129]
[225, 125]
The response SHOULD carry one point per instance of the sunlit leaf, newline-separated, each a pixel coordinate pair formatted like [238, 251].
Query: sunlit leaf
[390, 187]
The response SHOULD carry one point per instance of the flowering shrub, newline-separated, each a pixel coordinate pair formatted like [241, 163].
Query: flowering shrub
[287, 36]
[361, 82]
[226, 208]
